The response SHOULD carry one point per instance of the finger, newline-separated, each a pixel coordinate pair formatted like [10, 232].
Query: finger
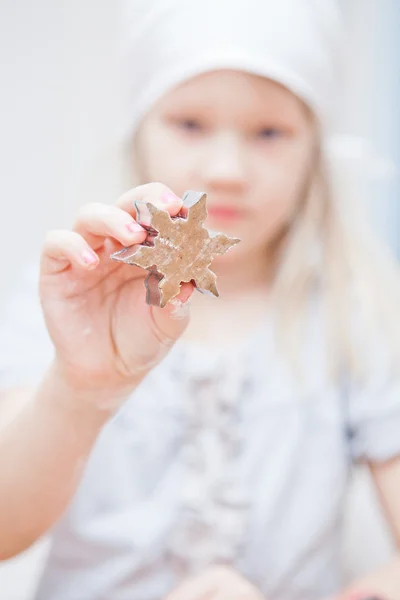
[98, 221]
[61, 249]
[179, 307]
[167, 325]
[156, 193]
[170, 322]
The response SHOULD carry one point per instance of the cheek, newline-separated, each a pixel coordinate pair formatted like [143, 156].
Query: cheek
[276, 192]
[280, 199]
[281, 182]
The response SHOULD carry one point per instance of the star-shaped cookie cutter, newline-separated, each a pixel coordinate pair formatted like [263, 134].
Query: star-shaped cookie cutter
[177, 249]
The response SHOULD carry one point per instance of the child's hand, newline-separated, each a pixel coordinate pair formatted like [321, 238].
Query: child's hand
[106, 337]
[216, 583]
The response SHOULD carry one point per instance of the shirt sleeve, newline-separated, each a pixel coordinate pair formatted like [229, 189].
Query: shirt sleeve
[25, 345]
[374, 406]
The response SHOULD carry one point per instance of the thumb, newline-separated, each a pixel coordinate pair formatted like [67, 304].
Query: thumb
[172, 320]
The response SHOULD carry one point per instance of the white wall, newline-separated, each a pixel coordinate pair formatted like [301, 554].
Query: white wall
[372, 100]
[54, 115]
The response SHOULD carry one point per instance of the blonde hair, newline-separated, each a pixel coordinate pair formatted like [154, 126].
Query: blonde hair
[331, 249]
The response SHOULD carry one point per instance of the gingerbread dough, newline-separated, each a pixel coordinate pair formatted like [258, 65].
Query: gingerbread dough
[177, 250]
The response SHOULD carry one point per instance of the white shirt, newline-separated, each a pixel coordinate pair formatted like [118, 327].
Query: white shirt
[215, 457]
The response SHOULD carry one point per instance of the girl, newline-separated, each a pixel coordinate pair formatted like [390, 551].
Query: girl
[224, 471]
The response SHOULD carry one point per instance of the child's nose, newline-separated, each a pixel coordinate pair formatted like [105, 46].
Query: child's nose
[225, 163]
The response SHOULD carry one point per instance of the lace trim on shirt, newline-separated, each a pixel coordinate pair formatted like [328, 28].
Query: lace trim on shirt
[214, 498]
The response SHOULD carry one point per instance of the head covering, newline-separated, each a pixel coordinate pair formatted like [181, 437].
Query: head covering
[294, 42]
[297, 43]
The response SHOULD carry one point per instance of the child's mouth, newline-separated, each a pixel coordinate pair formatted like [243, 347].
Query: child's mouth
[223, 212]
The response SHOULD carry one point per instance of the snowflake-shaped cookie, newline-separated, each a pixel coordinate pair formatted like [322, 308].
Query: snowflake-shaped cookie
[177, 250]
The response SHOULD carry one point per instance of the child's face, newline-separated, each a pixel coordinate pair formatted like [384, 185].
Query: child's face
[245, 140]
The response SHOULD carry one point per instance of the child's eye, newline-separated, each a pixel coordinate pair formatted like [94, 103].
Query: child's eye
[268, 133]
[190, 125]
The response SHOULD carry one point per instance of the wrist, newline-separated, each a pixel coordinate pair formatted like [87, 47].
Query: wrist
[80, 398]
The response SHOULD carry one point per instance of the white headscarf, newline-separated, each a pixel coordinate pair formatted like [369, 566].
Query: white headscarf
[294, 42]
[297, 43]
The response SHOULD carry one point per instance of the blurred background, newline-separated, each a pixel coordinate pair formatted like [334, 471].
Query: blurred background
[57, 135]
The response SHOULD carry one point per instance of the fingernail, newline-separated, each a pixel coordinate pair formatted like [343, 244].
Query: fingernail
[170, 198]
[90, 258]
[134, 227]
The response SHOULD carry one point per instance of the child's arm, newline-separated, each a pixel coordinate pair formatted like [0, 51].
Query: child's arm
[106, 340]
[43, 450]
